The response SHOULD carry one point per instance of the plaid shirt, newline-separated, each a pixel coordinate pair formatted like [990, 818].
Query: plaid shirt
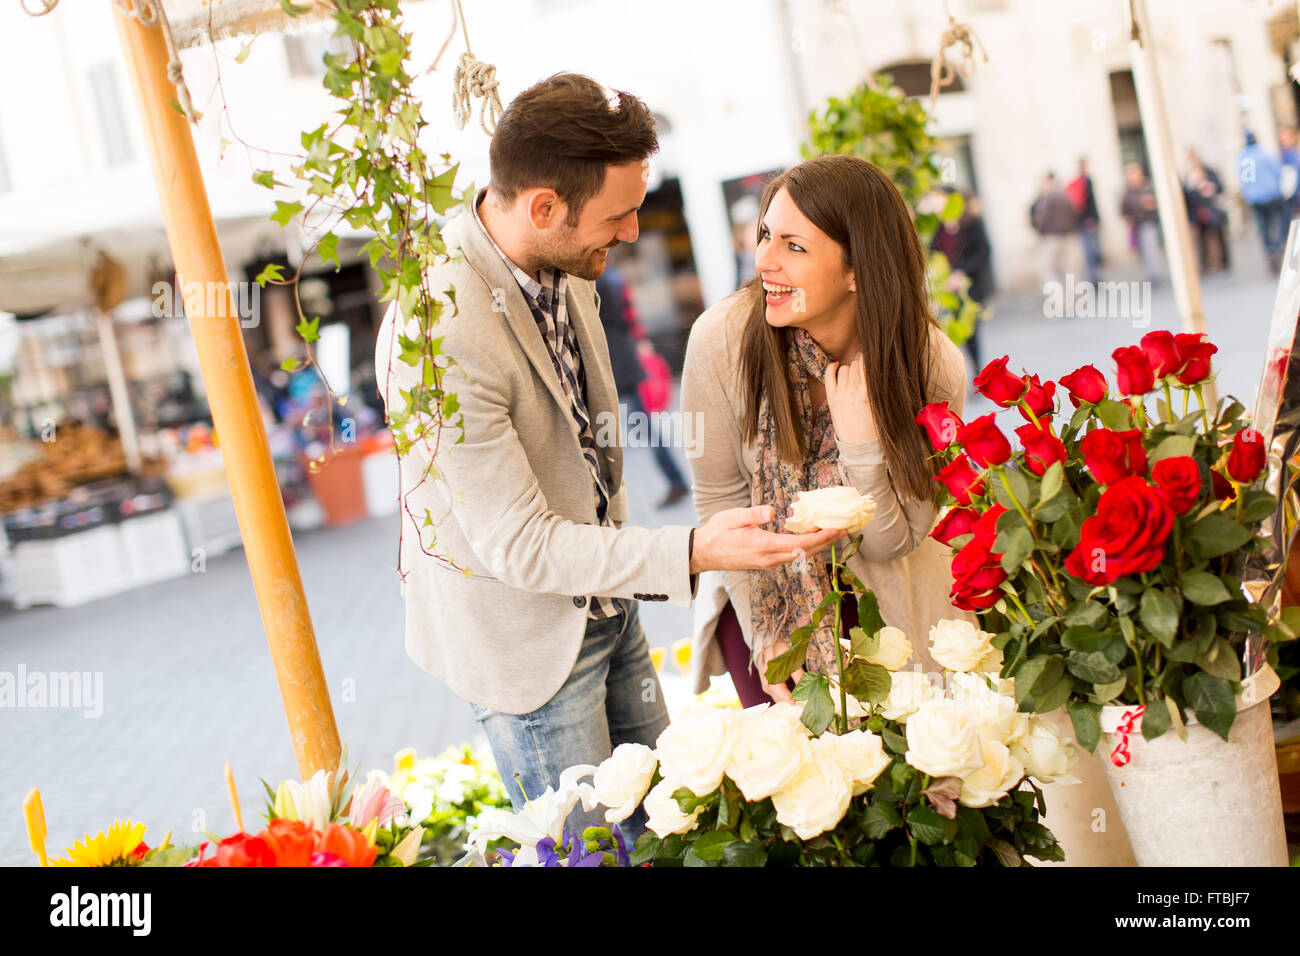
[550, 311]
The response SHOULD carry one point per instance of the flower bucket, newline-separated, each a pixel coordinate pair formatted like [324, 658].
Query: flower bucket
[1203, 801]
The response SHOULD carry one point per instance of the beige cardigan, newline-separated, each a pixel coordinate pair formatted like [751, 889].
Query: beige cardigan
[909, 572]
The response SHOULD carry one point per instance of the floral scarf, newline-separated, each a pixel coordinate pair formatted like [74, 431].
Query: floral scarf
[784, 598]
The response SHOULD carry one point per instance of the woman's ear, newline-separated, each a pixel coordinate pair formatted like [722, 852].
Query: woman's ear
[853, 283]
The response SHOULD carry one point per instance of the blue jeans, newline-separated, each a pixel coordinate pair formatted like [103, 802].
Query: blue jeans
[612, 696]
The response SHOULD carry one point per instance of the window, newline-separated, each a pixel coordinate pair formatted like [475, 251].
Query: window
[112, 120]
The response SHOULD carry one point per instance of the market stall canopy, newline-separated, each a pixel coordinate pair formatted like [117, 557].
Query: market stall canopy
[195, 22]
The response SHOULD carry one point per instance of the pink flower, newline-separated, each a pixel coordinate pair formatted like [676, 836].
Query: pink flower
[373, 801]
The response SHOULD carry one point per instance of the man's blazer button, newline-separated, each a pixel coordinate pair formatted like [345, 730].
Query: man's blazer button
[580, 602]
[660, 597]
[638, 597]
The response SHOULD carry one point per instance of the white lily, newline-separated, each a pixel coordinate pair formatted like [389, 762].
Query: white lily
[409, 847]
[309, 802]
[542, 816]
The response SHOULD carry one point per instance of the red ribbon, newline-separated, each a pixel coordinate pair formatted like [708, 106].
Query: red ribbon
[1120, 755]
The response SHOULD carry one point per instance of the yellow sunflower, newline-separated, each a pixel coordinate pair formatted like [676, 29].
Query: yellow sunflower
[114, 848]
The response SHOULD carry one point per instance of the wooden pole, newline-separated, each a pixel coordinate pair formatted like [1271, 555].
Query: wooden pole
[214, 320]
[1174, 224]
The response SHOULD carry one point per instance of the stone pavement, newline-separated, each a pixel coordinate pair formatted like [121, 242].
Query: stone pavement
[187, 678]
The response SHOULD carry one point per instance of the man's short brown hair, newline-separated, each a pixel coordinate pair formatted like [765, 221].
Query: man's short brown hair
[562, 132]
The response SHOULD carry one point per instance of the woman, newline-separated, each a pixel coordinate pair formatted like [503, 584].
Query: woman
[811, 376]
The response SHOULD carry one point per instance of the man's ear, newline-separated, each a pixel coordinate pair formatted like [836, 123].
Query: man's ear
[544, 207]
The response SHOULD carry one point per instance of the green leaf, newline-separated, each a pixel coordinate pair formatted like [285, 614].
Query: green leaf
[1053, 481]
[862, 644]
[285, 211]
[867, 682]
[1202, 587]
[1018, 484]
[895, 742]
[710, 846]
[310, 331]
[290, 364]
[1176, 717]
[646, 848]
[1086, 639]
[1026, 675]
[744, 854]
[328, 249]
[819, 710]
[271, 273]
[1014, 546]
[1094, 667]
[1175, 446]
[1159, 615]
[953, 208]
[1107, 692]
[244, 50]
[879, 819]
[1056, 697]
[293, 9]
[266, 178]
[869, 617]
[1155, 721]
[786, 663]
[926, 825]
[1086, 718]
[1117, 416]
[1212, 700]
[1220, 660]
[1052, 672]
[1256, 506]
[1086, 613]
[1215, 535]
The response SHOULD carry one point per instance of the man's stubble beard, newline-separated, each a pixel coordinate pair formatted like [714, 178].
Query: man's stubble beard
[560, 254]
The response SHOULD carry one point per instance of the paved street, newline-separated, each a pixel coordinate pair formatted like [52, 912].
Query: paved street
[187, 680]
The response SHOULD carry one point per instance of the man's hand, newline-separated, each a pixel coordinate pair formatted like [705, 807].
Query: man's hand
[733, 540]
[778, 692]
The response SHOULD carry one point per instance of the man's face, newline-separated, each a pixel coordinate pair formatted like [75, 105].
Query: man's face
[608, 218]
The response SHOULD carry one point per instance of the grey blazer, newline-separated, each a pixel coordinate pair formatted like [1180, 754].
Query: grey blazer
[514, 504]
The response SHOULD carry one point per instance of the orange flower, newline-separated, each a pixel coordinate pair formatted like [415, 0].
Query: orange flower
[348, 844]
[292, 841]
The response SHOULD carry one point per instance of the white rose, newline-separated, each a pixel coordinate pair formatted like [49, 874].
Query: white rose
[893, 652]
[859, 754]
[815, 800]
[991, 663]
[907, 691]
[959, 645]
[996, 711]
[824, 508]
[990, 783]
[943, 739]
[771, 745]
[664, 815]
[695, 748]
[622, 780]
[1046, 757]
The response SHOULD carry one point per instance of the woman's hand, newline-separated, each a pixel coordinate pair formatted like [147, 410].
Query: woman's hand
[778, 692]
[846, 395]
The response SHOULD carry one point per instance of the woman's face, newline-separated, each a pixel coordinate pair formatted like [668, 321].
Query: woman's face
[804, 277]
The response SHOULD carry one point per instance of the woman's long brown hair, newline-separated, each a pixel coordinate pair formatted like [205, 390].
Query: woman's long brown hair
[855, 204]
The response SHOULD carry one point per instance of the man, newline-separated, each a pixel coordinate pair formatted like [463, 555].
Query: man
[542, 635]
[1138, 207]
[1085, 204]
[1261, 187]
[1290, 171]
[1055, 219]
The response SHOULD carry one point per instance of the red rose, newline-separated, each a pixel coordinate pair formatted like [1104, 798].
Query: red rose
[998, 385]
[940, 424]
[1179, 480]
[977, 574]
[1042, 448]
[984, 442]
[1127, 535]
[1246, 460]
[961, 479]
[241, 850]
[955, 523]
[291, 841]
[1136, 377]
[1113, 456]
[1040, 398]
[986, 527]
[1223, 489]
[1086, 384]
[1161, 353]
[1194, 349]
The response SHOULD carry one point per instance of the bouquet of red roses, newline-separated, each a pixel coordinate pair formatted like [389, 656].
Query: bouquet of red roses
[1105, 550]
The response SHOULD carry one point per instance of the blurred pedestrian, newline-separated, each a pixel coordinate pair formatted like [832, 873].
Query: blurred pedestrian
[1202, 189]
[1286, 138]
[965, 243]
[1055, 220]
[1261, 187]
[1085, 204]
[1139, 210]
[628, 349]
